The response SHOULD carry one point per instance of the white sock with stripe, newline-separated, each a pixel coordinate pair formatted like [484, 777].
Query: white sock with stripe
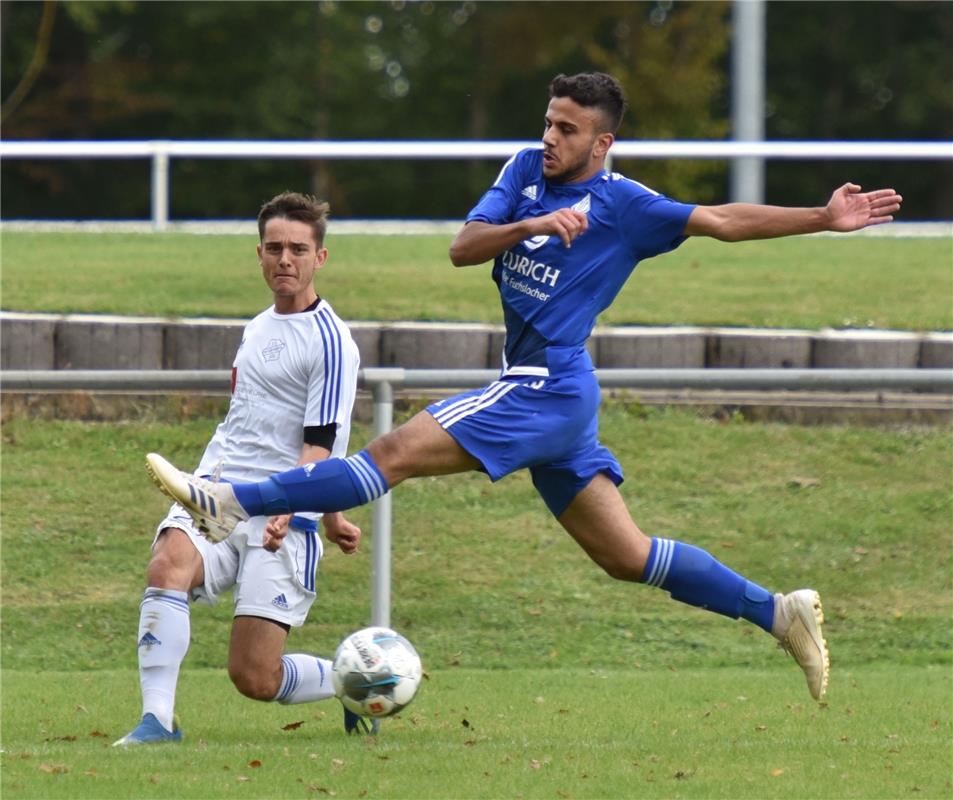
[306, 679]
[164, 633]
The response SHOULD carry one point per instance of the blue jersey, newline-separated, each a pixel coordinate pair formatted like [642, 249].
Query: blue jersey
[552, 294]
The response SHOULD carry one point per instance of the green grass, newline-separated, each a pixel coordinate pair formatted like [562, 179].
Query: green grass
[802, 282]
[532, 733]
[571, 684]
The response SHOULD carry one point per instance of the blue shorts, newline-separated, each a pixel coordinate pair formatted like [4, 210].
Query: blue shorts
[548, 425]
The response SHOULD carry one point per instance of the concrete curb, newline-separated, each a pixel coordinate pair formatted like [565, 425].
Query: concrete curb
[87, 341]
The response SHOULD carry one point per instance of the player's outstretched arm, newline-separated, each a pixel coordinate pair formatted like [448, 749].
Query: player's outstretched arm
[849, 209]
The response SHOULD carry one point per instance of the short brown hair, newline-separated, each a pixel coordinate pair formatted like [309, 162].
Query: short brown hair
[298, 207]
[593, 90]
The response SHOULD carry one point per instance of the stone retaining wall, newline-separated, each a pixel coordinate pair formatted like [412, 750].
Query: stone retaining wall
[52, 341]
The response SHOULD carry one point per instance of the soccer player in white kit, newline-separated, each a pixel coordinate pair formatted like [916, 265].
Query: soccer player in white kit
[294, 379]
[564, 235]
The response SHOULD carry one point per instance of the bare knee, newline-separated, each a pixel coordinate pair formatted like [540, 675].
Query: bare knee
[175, 562]
[623, 569]
[255, 683]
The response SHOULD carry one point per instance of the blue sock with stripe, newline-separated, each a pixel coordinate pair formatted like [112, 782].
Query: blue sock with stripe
[335, 484]
[693, 576]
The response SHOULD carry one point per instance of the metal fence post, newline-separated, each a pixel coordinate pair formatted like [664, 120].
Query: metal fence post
[160, 187]
[383, 394]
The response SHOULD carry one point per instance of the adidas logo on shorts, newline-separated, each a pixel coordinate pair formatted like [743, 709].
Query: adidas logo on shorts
[280, 601]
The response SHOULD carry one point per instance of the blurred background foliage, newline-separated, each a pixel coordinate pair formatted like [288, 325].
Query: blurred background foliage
[448, 70]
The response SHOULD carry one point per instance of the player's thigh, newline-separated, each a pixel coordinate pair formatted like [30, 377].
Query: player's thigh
[599, 521]
[203, 569]
[417, 448]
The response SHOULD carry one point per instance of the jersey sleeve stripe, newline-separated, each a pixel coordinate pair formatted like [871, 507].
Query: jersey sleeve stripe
[504, 168]
[331, 392]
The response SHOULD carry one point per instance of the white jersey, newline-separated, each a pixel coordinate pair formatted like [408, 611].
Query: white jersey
[291, 371]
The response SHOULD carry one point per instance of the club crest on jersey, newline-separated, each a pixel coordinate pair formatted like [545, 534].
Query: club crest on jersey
[535, 242]
[272, 351]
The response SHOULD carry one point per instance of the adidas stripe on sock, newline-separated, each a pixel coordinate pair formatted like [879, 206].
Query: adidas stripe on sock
[693, 576]
[335, 484]
[305, 678]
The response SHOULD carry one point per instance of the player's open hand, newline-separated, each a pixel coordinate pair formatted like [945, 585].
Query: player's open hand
[849, 209]
[345, 534]
[276, 529]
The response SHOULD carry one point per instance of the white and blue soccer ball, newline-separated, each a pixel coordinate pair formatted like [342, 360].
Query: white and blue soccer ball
[376, 672]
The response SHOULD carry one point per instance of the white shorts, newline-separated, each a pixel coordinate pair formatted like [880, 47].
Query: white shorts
[278, 586]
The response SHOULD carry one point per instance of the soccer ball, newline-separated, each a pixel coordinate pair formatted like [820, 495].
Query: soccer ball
[376, 672]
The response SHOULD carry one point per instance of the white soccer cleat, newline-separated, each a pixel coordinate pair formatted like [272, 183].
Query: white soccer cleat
[797, 627]
[211, 504]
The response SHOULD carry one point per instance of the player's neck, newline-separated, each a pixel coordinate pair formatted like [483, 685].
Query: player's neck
[295, 304]
[579, 177]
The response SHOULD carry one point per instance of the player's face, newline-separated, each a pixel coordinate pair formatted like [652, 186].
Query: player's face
[574, 142]
[289, 257]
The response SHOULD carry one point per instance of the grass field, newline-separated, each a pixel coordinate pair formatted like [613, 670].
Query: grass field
[802, 282]
[546, 678]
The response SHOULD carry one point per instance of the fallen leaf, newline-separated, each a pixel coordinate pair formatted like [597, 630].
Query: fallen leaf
[62, 739]
[91, 772]
[465, 723]
[99, 734]
[760, 727]
[292, 726]
[254, 763]
[53, 769]
[777, 773]
[798, 482]
[534, 764]
[243, 779]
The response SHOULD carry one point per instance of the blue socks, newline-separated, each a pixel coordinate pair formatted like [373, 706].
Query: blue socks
[335, 484]
[693, 576]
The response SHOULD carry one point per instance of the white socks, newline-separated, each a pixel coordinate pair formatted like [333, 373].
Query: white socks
[164, 632]
[306, 678]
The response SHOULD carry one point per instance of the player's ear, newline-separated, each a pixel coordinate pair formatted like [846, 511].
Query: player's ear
[321, 256]
[603, 143]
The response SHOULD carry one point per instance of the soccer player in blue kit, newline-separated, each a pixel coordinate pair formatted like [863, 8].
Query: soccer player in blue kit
[564, 236]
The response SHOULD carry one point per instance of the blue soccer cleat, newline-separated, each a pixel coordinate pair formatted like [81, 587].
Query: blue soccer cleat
[150, 731]
[354, 723]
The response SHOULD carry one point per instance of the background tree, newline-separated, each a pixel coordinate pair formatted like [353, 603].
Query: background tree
[457, 70]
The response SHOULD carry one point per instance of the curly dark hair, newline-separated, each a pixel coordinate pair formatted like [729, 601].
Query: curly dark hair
[593, 90]
[297, 207]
